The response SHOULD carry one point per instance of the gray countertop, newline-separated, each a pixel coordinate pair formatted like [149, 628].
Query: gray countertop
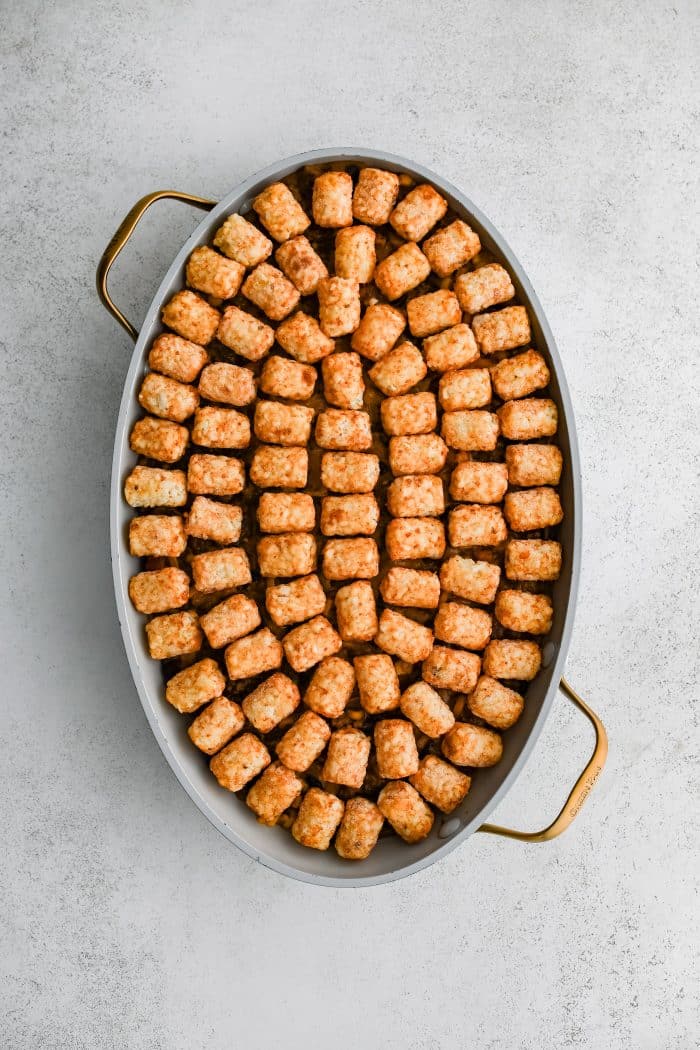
[127, 921]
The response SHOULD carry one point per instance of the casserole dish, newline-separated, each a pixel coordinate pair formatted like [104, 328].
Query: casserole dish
[392, 859]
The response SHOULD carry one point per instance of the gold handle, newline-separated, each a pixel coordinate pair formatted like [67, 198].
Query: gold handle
[581, 789]
[121, 237]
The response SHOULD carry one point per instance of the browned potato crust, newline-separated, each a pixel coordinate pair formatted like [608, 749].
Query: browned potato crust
[406, 811]
[196, 685]
[495, 703]
[275, 791]
[451, 669]
[216, 725]
[303, 742]
[239, 762]
[395, 743]
[533, 560]
[468, 745]
[375, 196]
[191, 317]
[159, 591]
[347, 758]
[440, 783]
[359, 829]
[318, 817]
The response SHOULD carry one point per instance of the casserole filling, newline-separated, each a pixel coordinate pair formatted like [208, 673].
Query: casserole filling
[346, 506]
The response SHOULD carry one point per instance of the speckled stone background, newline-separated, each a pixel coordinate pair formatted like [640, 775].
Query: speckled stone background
[127, 921]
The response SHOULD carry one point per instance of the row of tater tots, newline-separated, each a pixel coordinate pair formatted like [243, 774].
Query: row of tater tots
[458, 328]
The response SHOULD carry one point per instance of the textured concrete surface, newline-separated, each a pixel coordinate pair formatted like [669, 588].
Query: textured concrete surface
[126, 920]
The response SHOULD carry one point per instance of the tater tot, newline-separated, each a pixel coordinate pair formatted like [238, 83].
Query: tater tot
[378, 330]
[254, 654]
[377, 683]
[216, 725]
[157, 535]
[518, 376]
[375, 196]
[453, 348]
[338, 306]
[479, 482]
[195, 686]
[532, 560]
[353, 515]
[451, 669]
[220, 570]
[177, 357]
[239, 762]
[350, 559]
[402, 271]
[451, 247]
[306, 645]
[462, 625]
[440, 783]
[468, 745]
[281, 424]
[298, 600]
[228, 384]
[209, 520]
[330, 688]
[155, 487]
[347, 758]
[399, 369]
[417, 454]
[339, 428]
[395, 745]
[240, 240]
[409, 413]
[303, 339]
[240, 331]
[175, 634]
[271, 291]
[414, 588]
[275, 791]
[501, 330]
[356, 612]
[412, 538]
[359, 829]
[280, 212]
[349, 471]
[220, 428]
[426, 709]
[213, 274]
[402, 637]
[160, 590]
[229, 620]
[166, 398]
[512, 658]
[533, 464]
[191, 317]
[532, 417]
[303, 742]
[318, 817]
[415, 215]
[286, 512]
[355, 255]
[487, 286]
[416, 496]
[476, 526]
[406, 811]
[471, 431]
[431, 313]
[524, 612]
[331, 202]
[300, 263]
[281, 377]
[291, 554]
[273, 700]
[159, 439]
[530, 509]
[215, 475]
[283, 468]
[465, 388]
[499, 706]
[477, 581]
[343, 383]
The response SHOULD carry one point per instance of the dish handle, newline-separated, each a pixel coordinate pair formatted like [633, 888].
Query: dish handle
[581, 789]
[121, 238]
